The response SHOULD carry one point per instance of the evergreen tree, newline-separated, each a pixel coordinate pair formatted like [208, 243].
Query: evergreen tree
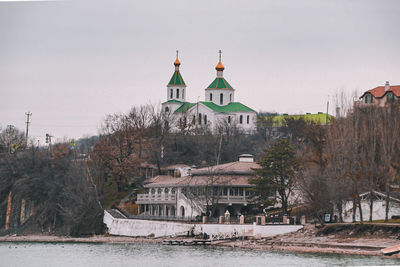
[276, 175]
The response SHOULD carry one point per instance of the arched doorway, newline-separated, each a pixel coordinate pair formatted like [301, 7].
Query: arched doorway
[182, 211]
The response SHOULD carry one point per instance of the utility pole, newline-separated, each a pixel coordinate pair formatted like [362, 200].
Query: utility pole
[28, 114]
[327, 109]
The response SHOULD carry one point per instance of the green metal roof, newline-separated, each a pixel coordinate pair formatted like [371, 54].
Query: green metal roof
[184, 107]
[176, 79]
[219, 83]
[319, 118]
[173, 101]
[231, 107]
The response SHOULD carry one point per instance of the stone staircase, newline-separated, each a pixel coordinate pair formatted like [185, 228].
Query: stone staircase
[193, 202]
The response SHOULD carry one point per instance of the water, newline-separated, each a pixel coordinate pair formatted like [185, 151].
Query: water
[85, 254]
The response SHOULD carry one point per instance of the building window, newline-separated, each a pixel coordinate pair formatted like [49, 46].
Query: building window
[173, 190]
[248, 119]
[166, 109]
[225, 191]
[153, 191]
[389, 97]
[199, 118]
[166, 190]
[171, 94]
[205, 119]
[194, 120]
[183, 93]
[221, 98]
[241, 119]
[177, 93]
[369, 98]
[230, 98]
[229, 119]
[159, 191]
[210, 97]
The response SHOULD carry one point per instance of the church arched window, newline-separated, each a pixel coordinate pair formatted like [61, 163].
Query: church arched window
[171, 94]
[183, 93]
[205, 119]
[248, 119]
[194, 120]
[210, 97]
[229, 119]
[241, 119]
[199, 118]
[166, 109]
[230, 98]
[221, 98]
[177, 93]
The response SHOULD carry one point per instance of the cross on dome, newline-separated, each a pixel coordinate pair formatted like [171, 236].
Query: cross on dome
[177, 62]
[220, 67]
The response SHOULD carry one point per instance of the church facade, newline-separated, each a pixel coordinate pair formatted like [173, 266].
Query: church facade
[219, 107]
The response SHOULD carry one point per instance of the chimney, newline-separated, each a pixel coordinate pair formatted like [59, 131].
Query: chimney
[337, 112]
[387, 86]
[246, 158]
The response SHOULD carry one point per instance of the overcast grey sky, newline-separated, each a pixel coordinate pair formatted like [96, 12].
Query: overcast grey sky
[72, 62]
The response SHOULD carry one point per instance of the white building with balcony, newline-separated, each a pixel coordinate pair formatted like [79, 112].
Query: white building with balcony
[213, 189]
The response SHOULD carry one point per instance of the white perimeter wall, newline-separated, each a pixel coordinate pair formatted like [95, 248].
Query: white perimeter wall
[132, 227]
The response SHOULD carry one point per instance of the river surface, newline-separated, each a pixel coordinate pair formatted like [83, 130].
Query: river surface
[104, 254]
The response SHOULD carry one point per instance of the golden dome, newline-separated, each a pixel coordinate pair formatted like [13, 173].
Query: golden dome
[177, 62]
[220, 67]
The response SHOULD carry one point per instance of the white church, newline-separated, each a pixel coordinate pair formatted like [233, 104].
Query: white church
[218, 108]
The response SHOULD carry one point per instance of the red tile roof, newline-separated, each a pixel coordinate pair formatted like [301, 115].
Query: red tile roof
[232, 180]
[236, 166]
[235, 173]
[379, 91]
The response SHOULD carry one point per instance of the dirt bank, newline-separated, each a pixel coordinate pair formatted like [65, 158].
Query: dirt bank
[338, 240]
[91, 239]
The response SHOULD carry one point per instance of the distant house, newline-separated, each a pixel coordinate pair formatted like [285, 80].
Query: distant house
[381, 95]
[147, 170]
[224, 186]
[379, 207]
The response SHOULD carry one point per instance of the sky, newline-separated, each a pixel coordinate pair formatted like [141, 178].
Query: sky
[71, 63]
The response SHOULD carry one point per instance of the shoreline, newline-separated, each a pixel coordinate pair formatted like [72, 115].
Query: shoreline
[275, 244]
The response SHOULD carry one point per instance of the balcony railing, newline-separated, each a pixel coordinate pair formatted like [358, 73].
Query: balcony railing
[171, 199]
[233, 199]
[156, 199]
